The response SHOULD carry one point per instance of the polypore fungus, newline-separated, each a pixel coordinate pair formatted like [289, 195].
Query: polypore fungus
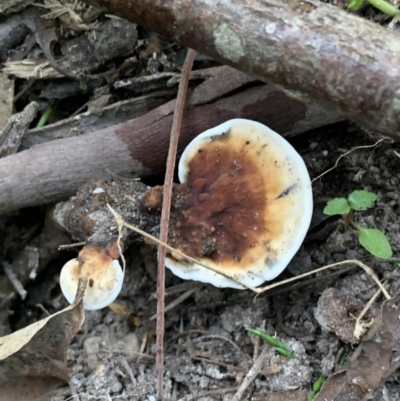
[244, 207]
[104, 273]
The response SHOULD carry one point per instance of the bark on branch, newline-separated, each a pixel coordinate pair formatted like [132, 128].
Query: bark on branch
[54, 170]
[315, 50]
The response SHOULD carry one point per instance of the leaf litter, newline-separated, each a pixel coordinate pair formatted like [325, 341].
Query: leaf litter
[33, 360]
[356, 380]
[375, 359]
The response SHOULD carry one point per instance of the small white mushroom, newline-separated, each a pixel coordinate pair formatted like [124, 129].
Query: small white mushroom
[247, 203]
[104, 273]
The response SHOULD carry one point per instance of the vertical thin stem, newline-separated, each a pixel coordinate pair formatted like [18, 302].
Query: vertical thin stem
[173, 144]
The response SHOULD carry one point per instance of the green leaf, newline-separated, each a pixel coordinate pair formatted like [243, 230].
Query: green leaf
[355, 4]
[318, 384]
[381, 5]
[342, 358]
[362, 200]
[316, 387]
[375, 242]
[337, 206]
[277, 344]
[385, 7]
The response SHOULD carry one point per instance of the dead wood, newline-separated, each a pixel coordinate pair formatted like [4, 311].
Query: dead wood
[88, 122]
[53, 171]
[11, 136]
[218, 82]
[315, 50]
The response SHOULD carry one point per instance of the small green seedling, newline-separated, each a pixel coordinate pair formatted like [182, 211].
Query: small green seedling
[281, 348]
[342, 358]
[278, 345]
[372, 239]
[381, 5]
[45, 116]
[321, 379]
[316, 387]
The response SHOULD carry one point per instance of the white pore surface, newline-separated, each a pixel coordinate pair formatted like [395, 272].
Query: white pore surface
[302, 206]
[101, 294]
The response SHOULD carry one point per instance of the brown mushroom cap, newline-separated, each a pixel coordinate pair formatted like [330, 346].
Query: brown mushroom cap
[246, 205]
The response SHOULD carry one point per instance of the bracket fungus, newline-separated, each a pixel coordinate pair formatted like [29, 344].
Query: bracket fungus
[243, 208]
[105, 276]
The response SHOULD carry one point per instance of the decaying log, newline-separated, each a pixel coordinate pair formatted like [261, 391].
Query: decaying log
[313, 49]
[54, 170]
[227, 78]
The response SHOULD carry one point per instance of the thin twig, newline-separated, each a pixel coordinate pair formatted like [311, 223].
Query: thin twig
[177, 301]
[169, 175]
[360, 327]
[366, 268]
[142, 348]
[185, 333]
[370, 302]
[68, 246]
[178, 288]
[231, 342]
[121, 223]
[312, 280]
[8, 269]
[356, 262]
[252, 374]
[346, 154]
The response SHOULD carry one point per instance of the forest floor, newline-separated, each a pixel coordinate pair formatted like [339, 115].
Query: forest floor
[208, 350]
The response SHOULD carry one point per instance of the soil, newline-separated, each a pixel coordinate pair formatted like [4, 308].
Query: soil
[208, 350]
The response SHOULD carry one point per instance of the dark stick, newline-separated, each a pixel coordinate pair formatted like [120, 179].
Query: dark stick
[53, 171]
[320, 52]
[166, 205]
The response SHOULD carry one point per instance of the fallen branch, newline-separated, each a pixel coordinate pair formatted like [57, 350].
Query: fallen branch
[53, 171]
[224, 79]
[318, 51]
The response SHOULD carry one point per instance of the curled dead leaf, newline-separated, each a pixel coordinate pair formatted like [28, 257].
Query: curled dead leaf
[33, 360]
[371, 364]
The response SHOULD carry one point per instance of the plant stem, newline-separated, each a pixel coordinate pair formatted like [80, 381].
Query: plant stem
[45, 116]
[385, 7]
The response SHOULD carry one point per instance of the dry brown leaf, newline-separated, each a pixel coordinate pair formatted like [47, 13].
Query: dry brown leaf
[46, 35]
[33, 360]
[373, 361]
[293, 395]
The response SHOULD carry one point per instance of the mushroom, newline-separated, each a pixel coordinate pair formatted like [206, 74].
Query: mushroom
[105, 276]
[243, 208]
